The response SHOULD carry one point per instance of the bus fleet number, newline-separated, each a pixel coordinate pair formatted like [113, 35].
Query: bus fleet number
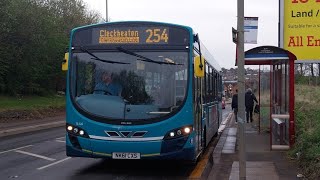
[156, 36]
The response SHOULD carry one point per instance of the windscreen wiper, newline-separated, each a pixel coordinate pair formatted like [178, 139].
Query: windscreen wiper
[98, 59]
[142, 58]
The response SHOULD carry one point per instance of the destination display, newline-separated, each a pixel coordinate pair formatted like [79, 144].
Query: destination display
[154, 35]
[134, 34]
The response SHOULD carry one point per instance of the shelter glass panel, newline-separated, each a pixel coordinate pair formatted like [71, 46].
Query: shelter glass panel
[264, 98]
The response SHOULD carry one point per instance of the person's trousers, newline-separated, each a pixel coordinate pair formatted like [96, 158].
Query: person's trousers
[249, 111]
[235, 111]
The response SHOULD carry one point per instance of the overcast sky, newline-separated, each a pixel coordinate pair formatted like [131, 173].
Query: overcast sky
[212, 19]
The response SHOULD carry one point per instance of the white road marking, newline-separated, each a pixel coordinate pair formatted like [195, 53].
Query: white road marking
[35, 155]
[15, 149]
[62, 141]
[223, 124]
[43, 167]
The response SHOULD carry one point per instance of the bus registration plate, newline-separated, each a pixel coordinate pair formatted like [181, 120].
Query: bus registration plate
[125, 155]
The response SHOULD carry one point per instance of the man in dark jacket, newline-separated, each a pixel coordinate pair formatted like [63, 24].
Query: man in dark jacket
[249, 98]
[234, 105]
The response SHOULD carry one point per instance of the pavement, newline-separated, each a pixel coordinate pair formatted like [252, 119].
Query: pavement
[261, 162]
[25, 126]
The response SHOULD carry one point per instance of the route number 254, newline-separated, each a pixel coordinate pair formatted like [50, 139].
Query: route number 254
[157, 35]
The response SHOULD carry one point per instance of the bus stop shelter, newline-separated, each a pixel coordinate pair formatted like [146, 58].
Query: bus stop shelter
[275, 93]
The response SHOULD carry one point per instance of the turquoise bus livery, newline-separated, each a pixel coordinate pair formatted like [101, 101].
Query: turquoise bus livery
[140, 90]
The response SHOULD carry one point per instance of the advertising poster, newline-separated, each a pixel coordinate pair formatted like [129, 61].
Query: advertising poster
[301, 28]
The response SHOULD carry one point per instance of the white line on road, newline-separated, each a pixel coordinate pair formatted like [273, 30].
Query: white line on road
[61, 137]
[62, 141]
[35, 155]
[43, 167]
[223, 124]
[15, 149]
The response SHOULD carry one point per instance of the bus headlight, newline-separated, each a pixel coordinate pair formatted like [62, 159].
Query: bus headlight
[179, 132]
[69, 128]
[81, 132]
[187, 130]
[172, 134]
[74, 130]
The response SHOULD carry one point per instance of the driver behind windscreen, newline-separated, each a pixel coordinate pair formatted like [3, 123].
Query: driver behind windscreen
[107, 86]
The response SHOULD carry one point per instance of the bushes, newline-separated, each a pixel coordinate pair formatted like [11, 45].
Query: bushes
[33, 38]
[315, 80]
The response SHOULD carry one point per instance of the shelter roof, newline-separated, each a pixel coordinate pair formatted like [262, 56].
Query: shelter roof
[267, 55]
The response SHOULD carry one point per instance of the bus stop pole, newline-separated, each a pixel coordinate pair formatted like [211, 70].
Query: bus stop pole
[241, 90]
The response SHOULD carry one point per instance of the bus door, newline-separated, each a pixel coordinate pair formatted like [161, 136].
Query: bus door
[198, 111]
[198, 101]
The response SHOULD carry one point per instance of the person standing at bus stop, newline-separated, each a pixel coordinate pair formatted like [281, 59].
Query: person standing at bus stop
[249, 103]
[234, 105]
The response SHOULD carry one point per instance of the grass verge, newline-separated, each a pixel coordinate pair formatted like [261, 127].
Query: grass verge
[31, 102]
[30, 107]
[307, 116]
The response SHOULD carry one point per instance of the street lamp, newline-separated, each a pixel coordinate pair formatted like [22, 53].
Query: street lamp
[107, 11]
